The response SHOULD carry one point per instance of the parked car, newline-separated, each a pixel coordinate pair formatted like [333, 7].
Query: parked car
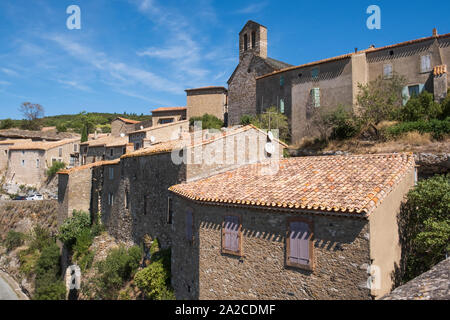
[35, 197]
[20, 198]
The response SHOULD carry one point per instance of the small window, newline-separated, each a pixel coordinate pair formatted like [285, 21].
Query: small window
[23, 152]
[75, 147]
[299, 244]
[60, 152]
[169, 211]
[168, 120]
[23, 163]
[124, 150]
[425, 63]
[245, 42]
[111, 173]
[281, 81]
[110, 199]
[189, 225]
[231, 235]
[387, 71]
[37, 163]
[253, 39]
[315, 73]
[414, 91]
[315, 97]
[127, 199]
[137, 146]
[111, 152]
[281, 105]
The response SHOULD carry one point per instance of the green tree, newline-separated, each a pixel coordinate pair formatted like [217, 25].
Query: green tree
[380, 99]
[427, 229]
[152, 281]
[6, 124]
[421, 107]
[208, 121]
[73, 227]
[273, 119]
[56, 166]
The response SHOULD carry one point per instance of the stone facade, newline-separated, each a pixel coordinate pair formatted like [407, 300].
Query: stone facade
[166, 115]
[210, 100]
[123, 126]
[336, 80]
[160, 133]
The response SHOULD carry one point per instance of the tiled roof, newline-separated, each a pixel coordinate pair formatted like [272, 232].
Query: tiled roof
[438, 70]
[14, 141]
[201, 139]
[28, 134]
[90, 165]
[108, 141]
[431, 285]
[206, 88]
[169, 109]
[42, 145]
[346, 184]
[159, 126]
[128, 120]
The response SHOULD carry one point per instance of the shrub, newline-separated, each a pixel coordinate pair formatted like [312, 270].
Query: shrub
[6, 124]
[61, 128]
[273, 119]
[152, 280]
[344, 124]
[246, 119]
[72, 228]
[48, 285]
[208, 121]
[13, 240]
[445, 107]
[28, 259]
[81, 247]
[427, 231]
[421, 107]
[40, 238]
[57, 166]
[438, 128]
[118, 267]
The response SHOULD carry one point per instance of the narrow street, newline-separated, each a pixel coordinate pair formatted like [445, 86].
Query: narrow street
[6, 292]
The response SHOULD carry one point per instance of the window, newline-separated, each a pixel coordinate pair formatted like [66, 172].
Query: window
[425, 63]
[60, 152]
[299, 244]
[315, 97]
[169, 211]
[281, 105]
[127, 199]
[231, 235]
[137, 146]
[23, 152]
[281, 81]
[6, 152]
[23, 163]
[111, 173]
[37, 163]
[411, 91]
[315, 73]
[189, 225]
[124, 150]
[245, 42]
[387, 71]
[110, 199]
[75, 147]
[168, 120]
[253, 39]
[111, 152]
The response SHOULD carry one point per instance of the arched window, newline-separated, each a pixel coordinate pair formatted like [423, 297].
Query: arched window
[245, 42]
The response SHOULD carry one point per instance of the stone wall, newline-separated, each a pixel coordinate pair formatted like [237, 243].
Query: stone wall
[211, 101]
[201, 271]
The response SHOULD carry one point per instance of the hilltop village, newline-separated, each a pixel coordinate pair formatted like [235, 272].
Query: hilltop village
[242, 217]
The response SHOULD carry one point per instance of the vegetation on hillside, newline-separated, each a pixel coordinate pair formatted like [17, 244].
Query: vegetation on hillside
[426, 229]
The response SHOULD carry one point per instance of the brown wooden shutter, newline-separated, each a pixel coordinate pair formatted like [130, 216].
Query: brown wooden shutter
[232, 234]
[299, 243]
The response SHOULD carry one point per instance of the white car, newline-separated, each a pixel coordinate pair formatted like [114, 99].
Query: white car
[36, 197]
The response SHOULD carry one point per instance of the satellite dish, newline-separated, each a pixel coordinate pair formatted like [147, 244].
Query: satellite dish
[122, 134]
[152, 139]
[270, 135]
[142, 127]
[269, 147]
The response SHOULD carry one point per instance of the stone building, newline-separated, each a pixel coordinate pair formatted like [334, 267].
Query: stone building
[104, 148]
[253, 62]
[158, 133]
[123, 126]
[210, 100]
[132, 194]
[317, 228]
[302, 91]
[167, 115]
[28, 162]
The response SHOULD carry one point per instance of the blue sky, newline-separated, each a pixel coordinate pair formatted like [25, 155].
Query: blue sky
[137, 55]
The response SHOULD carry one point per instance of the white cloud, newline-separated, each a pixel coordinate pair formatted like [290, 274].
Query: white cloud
[253, 8]
[75, 85]
[9, 72]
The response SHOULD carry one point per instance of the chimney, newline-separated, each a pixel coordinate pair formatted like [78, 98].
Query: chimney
[435, 34]
[130, 147]
[95, 135]
[356, 50]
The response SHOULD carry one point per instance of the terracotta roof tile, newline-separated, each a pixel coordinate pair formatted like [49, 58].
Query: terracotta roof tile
[42, 145]
[89, 166]
[169, 109]
[359, 183]
[128, 120]
[108, 141]
[439, 70]
[159, 126]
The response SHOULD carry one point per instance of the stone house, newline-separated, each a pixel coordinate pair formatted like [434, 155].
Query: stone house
[123, 126]
[132, 194]
[28, 162]
[52, 135]
[167, 115]
[253, 62]
[159, 133]
[210, 100]
[105, 148]
[301, 91]
[4, 150]
[318, 228]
